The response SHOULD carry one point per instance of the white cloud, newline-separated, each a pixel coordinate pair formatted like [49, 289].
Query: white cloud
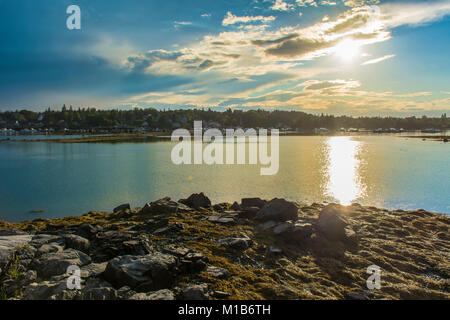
[280, 5]
[232, 19]
[373, 61]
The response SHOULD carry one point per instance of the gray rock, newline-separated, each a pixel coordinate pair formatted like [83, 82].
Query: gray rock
[332, 223]
[197, 200]
[163, 294]
[301, 231]
[51, 264]
[40, 239]
[253, 202]
[48, 290]
[239, 243]
[278, 210]
[110, 244]
[157, 269]
[218, 272]
[266, 225]
[12, 286]
[248, 212]
[76, 242]
[122, 207]
[225, 219]
[195, 292]
[9, 243]
[164, 206]
[283, 227]
[49, 248]
[97, 289]
[89, 230]
[93, 270]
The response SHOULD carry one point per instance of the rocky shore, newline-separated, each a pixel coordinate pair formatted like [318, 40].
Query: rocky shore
[255, 249]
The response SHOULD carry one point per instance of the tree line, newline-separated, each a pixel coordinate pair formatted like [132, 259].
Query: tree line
[86, 118]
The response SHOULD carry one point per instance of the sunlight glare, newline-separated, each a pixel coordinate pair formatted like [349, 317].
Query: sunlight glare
[343, 174]
[347, 50]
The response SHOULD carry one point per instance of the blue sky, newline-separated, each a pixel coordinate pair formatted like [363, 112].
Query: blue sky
[353, 57]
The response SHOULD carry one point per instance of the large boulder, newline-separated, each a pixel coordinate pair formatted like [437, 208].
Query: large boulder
[56, 263]
[76, 242]
[156, 271]
[333, 224]
[9, 242]
[253, 202]
[197, 200]
[278, 210]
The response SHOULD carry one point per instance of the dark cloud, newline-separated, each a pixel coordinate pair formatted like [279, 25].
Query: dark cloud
[298, 47]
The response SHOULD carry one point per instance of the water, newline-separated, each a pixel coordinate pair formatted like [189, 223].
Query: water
[70, 179]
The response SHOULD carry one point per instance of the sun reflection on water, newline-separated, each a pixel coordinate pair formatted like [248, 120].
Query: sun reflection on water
[344, 181]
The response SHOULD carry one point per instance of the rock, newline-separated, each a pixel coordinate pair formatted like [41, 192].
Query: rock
[13, 286]
[278, 210]
[225, 219]
[93, 270]
[157, 269]
[51, 264]
[253, 202]
[301, 231]
[76, 242]
[174, 227]
[49, 248]
[109, 244]
[12, 232]
[48, 290]
[163, 294]
[125, 292]
[283, 227]
[122, 207]
[248, 212]
[88, 230]
[40, 239]
[235, 206]
[10, 244]
[217, 272]
[197, 200]
[333, 224]
[190, 261]
[97, 289]
[195, 292]
[266, 225]
[239, 243]
[164, 206]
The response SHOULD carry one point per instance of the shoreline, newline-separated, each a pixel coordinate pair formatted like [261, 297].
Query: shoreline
[154, 137]
[254, 249]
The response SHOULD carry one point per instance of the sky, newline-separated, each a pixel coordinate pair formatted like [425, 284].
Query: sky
[352, 57]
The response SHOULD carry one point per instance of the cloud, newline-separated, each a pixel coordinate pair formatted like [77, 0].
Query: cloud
[232, 19]
[280, 5]
[373, 61]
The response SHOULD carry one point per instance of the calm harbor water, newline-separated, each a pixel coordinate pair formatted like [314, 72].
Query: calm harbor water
[70, 179]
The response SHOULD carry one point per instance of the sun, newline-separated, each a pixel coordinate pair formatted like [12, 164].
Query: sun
[347, 50]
